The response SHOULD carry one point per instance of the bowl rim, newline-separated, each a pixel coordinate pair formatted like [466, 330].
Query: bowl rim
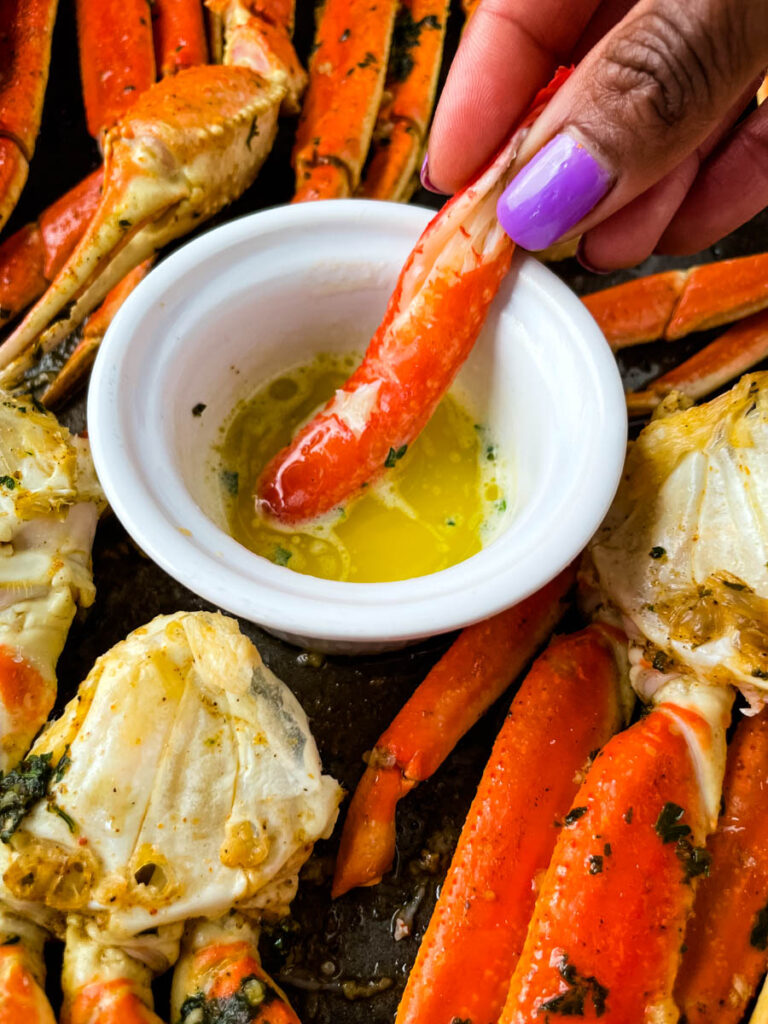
[287, 602]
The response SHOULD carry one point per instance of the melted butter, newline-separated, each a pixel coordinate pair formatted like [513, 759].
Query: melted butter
[431, 509]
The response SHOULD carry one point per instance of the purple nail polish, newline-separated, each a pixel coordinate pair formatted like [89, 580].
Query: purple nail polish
[552, 193]
[426, 181]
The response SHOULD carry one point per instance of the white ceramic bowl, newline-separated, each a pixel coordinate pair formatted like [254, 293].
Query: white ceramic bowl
[258, 295]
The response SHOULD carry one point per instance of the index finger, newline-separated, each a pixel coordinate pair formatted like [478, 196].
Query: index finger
[509, 50]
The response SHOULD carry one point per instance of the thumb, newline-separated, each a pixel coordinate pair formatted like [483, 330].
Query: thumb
[638, 105]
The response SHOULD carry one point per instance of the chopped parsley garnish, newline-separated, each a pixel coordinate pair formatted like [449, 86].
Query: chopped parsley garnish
[667, 824]
[62, 766]
[9, 482]
[696, 860]
[573, 1002]
[199, 409]
[20, 789]
[282, 556]
[595, 864]
[230, 481]
[657, 552]
[660, 661]
[395, 454]
[245, 1005]
[574, 814]
[490, 453]
[405, 36]
[55, 809]
[759, 673]
[501, 505]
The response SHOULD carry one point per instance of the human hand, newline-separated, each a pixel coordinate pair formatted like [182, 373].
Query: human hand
[639, 150]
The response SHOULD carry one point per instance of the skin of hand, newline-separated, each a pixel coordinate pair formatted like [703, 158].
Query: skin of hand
[650, 145]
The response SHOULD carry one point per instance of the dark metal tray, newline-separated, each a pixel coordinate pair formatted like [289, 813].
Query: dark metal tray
[339, 961]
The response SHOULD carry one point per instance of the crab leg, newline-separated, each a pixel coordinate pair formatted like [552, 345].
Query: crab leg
[104, 29]
[179, 33]
[605, 938]
[31, 258]
[103, 984]
[735, 352]
[81, 359]
[401, 127]
[570, 704]
[433, 318]
[677, 302]
[219, 977]
[470, 676]
[346, 81]
[727, 938]
[26, 30]
[163, 174]
[22, 972]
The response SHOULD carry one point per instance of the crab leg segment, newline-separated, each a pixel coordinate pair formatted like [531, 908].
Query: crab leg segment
[257, 35]
[606, 935]
[678, 302]
[26, 30]
[469, 677]
[727, 937]
[401, 127]
[219, 977]
[346, 81]
[81, 360]
[22, 973]
[737, 351]
[569, 705]
[433, 318]
[31, 258]
[102, 984]
[187, 147]
[179, 33]
[106, 28]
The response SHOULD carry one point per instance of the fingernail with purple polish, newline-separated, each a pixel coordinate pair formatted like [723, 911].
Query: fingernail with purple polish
[426, 181]
[552, 193]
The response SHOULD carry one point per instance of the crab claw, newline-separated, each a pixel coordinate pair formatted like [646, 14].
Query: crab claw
[186, 148]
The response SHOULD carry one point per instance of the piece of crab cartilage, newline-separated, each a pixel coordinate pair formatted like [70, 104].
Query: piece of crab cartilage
[730, 355]
[471, 675]
[25, 54]
[31, 258]
[606, 934]
[677, 302]
[117, 58]
[187, 147]
[572, 701]
[71, 375]
[401, 126]
[257, 35]
[178, 27]
[727, 937]
[22, 972]
[103, 984]
[219, 977]
[433, 319]
[346, 81]
[49, 506]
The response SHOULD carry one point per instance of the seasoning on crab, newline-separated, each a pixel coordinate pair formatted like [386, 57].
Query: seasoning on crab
[185, 784]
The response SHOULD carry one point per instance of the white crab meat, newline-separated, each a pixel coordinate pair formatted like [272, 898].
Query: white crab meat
[683, 552]
[191, 785]
[50, 501]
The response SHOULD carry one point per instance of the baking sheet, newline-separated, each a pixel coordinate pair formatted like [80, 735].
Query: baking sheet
[339, 962]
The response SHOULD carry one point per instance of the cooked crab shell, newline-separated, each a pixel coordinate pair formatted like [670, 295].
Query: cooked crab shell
[188, 783]
[683, 553]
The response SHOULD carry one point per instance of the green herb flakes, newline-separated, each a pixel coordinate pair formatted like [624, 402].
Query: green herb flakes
[394, 456]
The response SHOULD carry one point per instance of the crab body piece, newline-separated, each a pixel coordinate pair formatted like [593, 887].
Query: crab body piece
[185, 784]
